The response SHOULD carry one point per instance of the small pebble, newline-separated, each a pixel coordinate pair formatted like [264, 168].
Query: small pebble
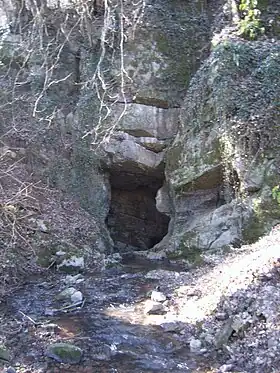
[221, 316]
[225, 368]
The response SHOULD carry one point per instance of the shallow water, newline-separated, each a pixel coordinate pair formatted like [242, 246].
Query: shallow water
[112, 328]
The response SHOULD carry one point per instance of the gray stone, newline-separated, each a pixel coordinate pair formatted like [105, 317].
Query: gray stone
[152, 143]
[65, 353]
[195, 345]
[42, 226]
[4, 353]
[149, 121]
[72, 280]
[49, 311]
[225, 368]
[73, 264]
[50, 328]
[77, 297]
[221, 316]
[66, 294]
[60, 253]
[103, 353]
[163, 200]
[158, 296]
[171, 327]
[224, 333]
[10, 370]
[154, 308]
[208, 213]
[125, 151]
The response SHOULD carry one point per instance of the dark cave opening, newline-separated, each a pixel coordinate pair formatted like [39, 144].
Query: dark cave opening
[133, 220]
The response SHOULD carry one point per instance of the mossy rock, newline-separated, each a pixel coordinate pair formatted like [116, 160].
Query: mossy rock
[266, 214]
[47, 252]
[65, 353]
[186, 251]
[45, 256]
[4, 354]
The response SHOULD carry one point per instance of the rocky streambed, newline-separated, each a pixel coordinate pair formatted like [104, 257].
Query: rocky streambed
[150, 317]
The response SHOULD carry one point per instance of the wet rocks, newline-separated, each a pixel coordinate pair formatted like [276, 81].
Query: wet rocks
[10, 370]
[103, 353]
[154, 308]
[4, 353]
[171, 327]
[65, 353]
[195, 345]
[225, 368]
[162, 274]
[158, 296]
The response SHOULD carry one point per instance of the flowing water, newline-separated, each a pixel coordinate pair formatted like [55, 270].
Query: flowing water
[111, 327]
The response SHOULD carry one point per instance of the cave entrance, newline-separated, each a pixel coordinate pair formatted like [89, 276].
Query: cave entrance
[133, 220]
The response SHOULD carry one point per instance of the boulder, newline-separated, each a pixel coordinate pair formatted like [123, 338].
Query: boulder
[147, 122]
[65, 353]
[125, 153]
[4, 353]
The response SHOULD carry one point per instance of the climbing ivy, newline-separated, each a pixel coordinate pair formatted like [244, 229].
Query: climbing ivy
[250, 25]
[276, 193]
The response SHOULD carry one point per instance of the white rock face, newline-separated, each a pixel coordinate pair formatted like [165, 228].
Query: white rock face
[158, 296]
[124, 150]
[150, 121]
[163, 201]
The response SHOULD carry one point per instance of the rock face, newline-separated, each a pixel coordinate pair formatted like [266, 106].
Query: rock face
[223, 164]
[161, 152]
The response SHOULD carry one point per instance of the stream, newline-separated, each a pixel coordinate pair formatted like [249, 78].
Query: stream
[111, 326]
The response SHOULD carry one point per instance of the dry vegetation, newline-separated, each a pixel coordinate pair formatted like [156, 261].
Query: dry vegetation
[35, 89]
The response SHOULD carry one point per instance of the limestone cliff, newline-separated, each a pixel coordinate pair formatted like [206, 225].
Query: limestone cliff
[224, 162]
[156, 117]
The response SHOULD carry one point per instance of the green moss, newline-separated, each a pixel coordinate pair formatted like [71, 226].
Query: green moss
[192, 255]
[173, 157]
[45, 255]
[4, 353]
[266, 213]
[187, 250]
[46, 252]
[65, 353]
